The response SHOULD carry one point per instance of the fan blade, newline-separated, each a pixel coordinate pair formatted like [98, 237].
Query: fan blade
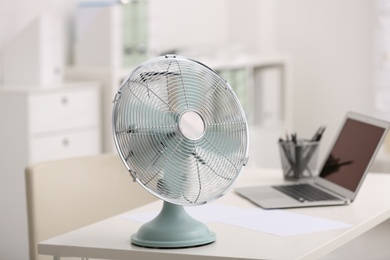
[180, 130]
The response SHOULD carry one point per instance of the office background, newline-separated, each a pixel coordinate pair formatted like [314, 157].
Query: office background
[333, 53]
[330, 44]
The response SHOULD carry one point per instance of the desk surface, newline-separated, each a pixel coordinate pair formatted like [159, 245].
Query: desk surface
[110, 238]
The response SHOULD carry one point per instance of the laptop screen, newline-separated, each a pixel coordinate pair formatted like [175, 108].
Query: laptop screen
[351, 153]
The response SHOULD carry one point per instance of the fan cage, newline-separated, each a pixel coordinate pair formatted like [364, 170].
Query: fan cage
[149, 138]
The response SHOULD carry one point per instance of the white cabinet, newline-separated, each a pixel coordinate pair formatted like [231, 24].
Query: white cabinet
[110, 80]
[40, 124]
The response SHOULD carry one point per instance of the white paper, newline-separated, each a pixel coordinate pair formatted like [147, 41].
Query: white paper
[284, 223]
[275, 222]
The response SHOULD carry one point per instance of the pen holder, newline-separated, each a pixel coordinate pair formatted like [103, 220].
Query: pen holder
[299, 159]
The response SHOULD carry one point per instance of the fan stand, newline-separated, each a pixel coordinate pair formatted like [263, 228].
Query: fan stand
[173, 228]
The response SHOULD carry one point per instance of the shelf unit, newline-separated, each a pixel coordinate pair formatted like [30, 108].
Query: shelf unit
[40, 124]
[261, 84]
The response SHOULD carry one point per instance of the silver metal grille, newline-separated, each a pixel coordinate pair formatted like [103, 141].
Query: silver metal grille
[180, 130]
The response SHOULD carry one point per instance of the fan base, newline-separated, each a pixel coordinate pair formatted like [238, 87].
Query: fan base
[173, 228]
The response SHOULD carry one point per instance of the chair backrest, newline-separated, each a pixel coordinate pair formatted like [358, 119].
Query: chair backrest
[67, 194]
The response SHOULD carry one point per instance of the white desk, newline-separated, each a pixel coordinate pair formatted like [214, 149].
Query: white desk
[110, 239]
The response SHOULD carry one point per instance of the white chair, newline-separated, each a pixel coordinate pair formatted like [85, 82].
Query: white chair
[67, 194]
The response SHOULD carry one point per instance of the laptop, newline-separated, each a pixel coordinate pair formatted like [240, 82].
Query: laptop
[341, 174]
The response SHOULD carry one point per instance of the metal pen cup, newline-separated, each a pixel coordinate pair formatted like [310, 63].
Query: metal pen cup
[299, 159]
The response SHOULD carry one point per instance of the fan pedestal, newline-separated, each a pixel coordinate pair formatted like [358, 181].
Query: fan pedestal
[173, 228]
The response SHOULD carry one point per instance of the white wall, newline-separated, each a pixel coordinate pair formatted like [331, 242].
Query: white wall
[183, 24]
[330, 43]
[208, 25]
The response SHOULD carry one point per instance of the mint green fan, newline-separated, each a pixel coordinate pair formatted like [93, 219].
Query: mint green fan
[182, 134]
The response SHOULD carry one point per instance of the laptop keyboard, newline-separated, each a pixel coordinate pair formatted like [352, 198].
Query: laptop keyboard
[304, 192]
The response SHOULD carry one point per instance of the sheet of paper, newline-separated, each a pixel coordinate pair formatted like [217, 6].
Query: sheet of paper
[284, 223]
[275, 222]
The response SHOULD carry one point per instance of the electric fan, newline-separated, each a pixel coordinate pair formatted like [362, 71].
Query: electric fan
[182, 134]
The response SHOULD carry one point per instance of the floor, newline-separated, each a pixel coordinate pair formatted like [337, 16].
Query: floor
[373, 245]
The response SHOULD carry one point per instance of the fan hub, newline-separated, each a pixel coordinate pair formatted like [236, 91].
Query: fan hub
[191, 125]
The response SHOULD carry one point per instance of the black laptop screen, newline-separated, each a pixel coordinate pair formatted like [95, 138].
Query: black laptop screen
[351, 153]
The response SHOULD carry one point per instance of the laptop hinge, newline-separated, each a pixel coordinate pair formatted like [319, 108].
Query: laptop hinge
[330, 191]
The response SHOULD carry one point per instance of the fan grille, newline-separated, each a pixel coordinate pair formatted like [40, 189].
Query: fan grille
[154, 109]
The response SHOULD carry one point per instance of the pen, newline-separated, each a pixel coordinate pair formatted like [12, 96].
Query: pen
[294, 138]
[317, 136]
